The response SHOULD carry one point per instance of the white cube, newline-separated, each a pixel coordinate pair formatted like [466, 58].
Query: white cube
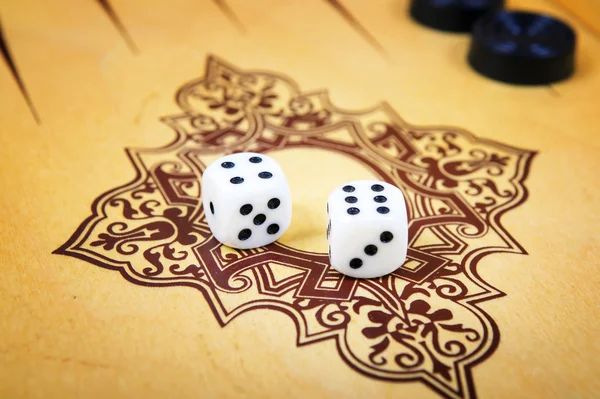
[246, 200]
[367, 228]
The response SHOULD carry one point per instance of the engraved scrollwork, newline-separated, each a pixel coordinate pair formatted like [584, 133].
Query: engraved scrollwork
[423, 322]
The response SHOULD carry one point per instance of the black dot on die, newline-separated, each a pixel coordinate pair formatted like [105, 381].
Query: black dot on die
[356, 263]
[256, 159]
[370, 250]
[353, 211]
[212, 208]
[245, 234]
[377, 187]
[259, 219]
[246, 209]
[273, 203]
[348, 189]
[265, 175]
[237, 180]
[383, 210]
[227, 165]
[379, 199]
[351, 199]
[386, 237]
[329, 252]
[273, 228]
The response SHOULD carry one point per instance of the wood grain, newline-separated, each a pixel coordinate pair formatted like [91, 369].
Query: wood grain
[69, 328]
[587, 11]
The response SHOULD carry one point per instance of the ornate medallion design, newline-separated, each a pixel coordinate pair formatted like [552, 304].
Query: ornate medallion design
[420, 323]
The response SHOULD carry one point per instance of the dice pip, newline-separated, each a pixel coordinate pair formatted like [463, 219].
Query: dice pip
[246, 199]
[367, 229]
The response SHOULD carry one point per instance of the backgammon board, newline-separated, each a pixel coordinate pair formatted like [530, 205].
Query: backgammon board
[113, 286]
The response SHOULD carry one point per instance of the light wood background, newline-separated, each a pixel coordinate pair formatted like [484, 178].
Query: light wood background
[71, 329]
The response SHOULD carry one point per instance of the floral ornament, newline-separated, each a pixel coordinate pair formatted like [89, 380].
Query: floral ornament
[422, 322]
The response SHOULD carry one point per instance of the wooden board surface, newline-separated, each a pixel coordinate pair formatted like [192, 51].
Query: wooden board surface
[111, 285]
[586, 11]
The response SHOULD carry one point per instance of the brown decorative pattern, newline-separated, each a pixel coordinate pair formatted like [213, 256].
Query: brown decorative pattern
[420, 323]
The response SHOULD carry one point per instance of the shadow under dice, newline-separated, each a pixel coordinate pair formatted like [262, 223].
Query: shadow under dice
[246, 199]
[367, 228]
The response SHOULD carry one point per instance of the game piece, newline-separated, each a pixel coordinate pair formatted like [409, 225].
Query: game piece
[367, 228]
[246, 200]
[451, 15]
[522, 48]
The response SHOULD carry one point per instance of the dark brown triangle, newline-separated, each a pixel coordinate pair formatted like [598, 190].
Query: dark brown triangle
[5, 50]
[114, 18]
[357, 26]
[226, 9]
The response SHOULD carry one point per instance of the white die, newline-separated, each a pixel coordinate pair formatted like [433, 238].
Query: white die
[246, 200]
[367, 228]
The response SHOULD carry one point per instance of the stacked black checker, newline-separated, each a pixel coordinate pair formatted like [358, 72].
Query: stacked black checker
[512, 46]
